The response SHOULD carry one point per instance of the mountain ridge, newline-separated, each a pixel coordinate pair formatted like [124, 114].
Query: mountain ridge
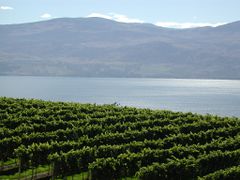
[99, 47]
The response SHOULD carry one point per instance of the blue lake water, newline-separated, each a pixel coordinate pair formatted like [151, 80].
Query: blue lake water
[221, 97]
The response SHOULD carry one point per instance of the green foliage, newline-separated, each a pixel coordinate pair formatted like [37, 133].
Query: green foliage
[232, 173]
[113, 142]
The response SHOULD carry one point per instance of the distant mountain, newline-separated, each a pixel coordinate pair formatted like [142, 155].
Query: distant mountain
[95, 47]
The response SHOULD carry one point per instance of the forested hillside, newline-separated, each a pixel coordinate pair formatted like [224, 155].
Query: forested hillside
[55, 139]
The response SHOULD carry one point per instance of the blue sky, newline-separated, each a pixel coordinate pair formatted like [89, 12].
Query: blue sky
[172, 13]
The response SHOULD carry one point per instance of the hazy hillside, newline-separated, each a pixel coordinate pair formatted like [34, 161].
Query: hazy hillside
[100, 47]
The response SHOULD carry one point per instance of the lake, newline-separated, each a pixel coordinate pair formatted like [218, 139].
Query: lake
[221, 97]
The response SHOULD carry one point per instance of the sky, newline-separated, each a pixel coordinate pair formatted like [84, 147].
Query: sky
[167, 13]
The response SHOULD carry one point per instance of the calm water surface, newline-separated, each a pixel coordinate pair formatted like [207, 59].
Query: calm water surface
[220, 97]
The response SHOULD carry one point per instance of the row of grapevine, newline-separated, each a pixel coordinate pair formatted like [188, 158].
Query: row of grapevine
[111, 142]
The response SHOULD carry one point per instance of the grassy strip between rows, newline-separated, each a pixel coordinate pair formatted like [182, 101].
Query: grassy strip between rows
[27, 173]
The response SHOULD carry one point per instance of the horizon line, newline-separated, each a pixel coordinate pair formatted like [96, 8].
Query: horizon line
[112, 20]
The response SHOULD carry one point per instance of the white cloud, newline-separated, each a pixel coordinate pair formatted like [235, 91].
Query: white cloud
[6, 8]
[116, 17]
[100, 16]
[124, 18]
[46, 16]
[186, 25]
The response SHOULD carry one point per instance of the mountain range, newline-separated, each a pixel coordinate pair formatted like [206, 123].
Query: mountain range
[96, 47]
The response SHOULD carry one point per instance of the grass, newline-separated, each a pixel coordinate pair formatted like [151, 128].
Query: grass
[9, 162]
[80, 176]
[83, 176]
[27, 173]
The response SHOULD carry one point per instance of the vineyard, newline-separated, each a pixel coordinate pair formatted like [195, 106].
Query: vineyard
[56, 140]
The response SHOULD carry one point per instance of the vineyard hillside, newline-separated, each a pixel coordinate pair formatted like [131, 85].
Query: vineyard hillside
[64, 140]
